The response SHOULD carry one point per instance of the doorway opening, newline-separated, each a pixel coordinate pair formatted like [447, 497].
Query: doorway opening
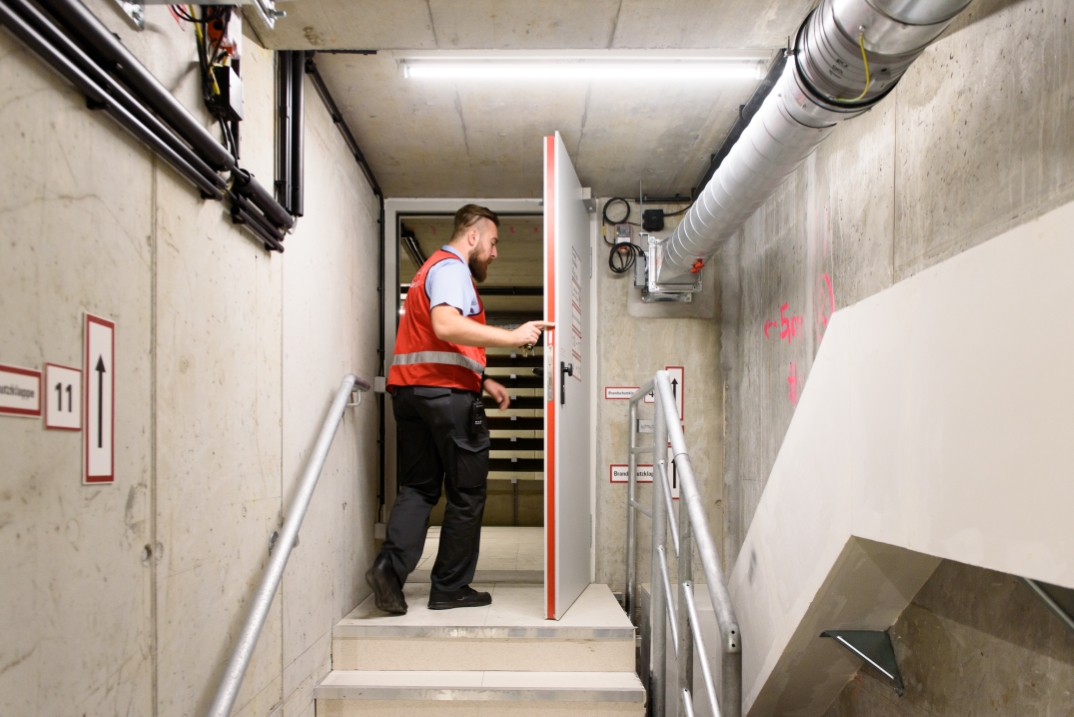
[512, 538]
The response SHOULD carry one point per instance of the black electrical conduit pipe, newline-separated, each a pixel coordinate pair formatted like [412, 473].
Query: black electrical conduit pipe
[284, 80]
[341, 124]
[290, 100]
[296, 198]
[116, 104]
[52, 44]
[85, 67]
[65, 48]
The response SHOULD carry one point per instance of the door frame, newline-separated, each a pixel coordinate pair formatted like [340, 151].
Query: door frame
[393, 210]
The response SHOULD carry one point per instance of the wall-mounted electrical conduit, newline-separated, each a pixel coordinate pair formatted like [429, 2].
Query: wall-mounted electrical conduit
[847, 56]
[81, 49]
[290, 101]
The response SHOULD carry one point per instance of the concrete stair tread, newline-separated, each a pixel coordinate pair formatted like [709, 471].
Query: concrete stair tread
[507, 577]
[517, 611]
[481, 685]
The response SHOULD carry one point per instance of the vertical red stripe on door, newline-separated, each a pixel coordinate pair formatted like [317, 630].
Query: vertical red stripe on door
[550, 405]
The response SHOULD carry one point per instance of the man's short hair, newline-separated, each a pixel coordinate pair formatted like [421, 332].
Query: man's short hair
[470, 215]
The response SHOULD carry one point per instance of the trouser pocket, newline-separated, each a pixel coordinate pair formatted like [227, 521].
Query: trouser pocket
[471, 460]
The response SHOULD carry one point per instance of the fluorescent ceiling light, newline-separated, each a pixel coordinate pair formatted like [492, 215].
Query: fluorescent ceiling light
[584, 70]
[585, 65]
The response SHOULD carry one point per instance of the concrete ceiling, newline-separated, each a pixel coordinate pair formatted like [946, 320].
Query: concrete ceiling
[471, 139]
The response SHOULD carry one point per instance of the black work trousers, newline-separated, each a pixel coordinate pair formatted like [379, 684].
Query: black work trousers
[438, 445]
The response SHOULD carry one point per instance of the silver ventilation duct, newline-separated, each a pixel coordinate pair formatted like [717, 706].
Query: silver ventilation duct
[827, 80]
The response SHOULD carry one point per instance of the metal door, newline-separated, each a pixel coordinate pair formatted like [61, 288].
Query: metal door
[568, 373]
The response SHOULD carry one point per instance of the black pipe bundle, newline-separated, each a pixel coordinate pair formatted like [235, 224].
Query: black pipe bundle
[81, 49]
[290, 97]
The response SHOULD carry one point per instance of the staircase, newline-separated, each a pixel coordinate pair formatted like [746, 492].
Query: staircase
[500, 659]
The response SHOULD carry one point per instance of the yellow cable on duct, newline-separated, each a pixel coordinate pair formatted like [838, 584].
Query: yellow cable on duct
[868, 79]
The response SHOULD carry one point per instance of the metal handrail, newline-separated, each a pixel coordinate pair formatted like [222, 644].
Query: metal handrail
[693, 529]
[270, 581]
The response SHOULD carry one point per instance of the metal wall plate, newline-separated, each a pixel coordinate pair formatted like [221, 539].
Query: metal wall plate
[135, 10]
[873, 646]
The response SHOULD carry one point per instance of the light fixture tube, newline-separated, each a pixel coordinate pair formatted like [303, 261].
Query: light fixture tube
[583, 70]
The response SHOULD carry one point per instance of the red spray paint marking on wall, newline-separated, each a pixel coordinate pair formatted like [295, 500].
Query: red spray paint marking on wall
[790, 324]
[789, 328]
[792, 383]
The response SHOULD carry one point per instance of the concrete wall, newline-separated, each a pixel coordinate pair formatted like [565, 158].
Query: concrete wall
[976, 138]
[973, 641]
[634, 341]
[125, 599]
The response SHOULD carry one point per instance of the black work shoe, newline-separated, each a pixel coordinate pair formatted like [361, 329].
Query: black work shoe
[387, 592]
[463, 597]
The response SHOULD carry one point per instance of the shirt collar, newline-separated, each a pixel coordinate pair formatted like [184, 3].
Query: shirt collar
[455, 251]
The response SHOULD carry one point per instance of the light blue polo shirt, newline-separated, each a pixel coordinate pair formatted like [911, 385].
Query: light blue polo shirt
[450, 282]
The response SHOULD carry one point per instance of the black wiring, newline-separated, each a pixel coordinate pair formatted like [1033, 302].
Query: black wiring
[215, 49]
[681, 211]
[626, 217]
[623, 256]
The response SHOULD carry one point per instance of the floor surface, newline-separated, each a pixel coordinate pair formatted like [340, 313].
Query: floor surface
[502, 548]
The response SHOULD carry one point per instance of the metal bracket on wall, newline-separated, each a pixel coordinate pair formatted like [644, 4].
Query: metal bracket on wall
[873, 646]
[653, 291]
[1059, 600]
[135, 9]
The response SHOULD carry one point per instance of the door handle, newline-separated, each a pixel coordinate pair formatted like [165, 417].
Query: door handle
[565, 370]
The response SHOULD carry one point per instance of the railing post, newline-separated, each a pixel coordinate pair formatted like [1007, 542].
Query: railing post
[657, 602]
[682, 615]
[629, 591]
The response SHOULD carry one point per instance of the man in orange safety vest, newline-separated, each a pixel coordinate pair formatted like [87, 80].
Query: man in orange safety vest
[436, 378]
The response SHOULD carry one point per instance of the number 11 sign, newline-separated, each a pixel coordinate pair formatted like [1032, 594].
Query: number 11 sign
[63, 397]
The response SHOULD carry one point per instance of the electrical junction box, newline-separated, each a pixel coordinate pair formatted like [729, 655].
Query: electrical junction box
[652, 220]
[622, 233]
[227, 104]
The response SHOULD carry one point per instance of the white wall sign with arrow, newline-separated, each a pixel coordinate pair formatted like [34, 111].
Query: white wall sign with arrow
[99, 401]
[678, 387]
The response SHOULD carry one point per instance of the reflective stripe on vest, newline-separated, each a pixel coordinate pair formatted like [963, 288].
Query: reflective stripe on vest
[443, 357]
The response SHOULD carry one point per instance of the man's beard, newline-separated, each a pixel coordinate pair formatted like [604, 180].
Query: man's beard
[478, 267]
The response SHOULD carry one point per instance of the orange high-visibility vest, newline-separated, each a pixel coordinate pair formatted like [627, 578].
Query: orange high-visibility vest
[422, 359]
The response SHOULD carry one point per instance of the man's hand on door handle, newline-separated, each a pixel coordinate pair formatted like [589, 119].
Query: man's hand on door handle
[529, 333]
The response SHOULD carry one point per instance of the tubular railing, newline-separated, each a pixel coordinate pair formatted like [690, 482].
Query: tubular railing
[281, 551]
[688, 529]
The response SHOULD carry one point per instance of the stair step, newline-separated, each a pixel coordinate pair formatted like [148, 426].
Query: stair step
[511, 634]
[517, 465]
[515, 423]
[528, 403]
[520, 380]
[519, 444]
[479, 692]
[517, 359]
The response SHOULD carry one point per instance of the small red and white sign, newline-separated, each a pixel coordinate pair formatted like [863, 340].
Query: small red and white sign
[677, 374]
[99, 400]
[619, 393]
[620, 473]
[20, 391]
[63, 397]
